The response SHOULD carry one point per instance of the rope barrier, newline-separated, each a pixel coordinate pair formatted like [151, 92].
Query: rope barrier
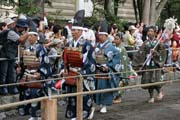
[50, 56]
[11, 105]
[89, 75]
[132, 51]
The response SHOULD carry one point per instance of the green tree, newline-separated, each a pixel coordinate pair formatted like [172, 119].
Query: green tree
[28, 7]
[171, 9]
[107, 9]
[149, 10]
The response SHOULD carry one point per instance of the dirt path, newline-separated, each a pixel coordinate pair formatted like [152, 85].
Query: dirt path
[135, 107]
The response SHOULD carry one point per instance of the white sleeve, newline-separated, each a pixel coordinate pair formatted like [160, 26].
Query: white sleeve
[92, 35]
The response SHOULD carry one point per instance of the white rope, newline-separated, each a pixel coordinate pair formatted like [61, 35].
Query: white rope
[59, 78]
[50, 56]
[11, 105]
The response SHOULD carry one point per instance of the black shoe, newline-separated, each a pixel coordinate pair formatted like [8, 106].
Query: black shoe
[3, 91]
[13, 90]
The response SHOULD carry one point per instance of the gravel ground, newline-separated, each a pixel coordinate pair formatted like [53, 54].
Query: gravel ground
[134, 106]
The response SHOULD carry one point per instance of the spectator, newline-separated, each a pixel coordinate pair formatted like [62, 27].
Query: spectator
[10, 23]
[7, 67]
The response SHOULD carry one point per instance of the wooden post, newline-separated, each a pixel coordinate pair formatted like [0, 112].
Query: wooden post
[79, 103]
[49, 109]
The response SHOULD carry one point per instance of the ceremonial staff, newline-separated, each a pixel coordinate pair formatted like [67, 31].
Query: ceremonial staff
[169, 25]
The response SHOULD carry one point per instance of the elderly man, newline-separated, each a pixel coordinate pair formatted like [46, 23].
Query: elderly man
[41, 71]
[108, 59]
[84, 67]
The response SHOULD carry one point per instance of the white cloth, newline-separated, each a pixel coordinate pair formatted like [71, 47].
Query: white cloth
[75, 43]
[89, 35]
[69, 36]
[139, 40]
[45, 21]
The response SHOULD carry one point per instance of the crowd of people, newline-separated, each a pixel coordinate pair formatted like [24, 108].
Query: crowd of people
[37, 49]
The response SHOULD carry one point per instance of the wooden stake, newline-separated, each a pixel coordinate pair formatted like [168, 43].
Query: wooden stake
[49, 109]
[79, 104]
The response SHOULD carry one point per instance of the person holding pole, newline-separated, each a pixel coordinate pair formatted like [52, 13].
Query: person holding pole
[151, 55]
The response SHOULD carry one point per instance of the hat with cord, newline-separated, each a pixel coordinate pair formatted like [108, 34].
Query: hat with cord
[78, 20]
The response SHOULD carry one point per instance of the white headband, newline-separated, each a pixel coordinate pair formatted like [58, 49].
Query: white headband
[33, 33]
[103, 33]
[77, 27]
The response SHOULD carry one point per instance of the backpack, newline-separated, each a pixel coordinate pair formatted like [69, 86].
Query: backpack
[8, 48]
[3, 37]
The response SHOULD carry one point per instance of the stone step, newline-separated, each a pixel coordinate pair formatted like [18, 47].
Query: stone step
[11, 111]
[57, 5]
[65, 1]
[8, 99]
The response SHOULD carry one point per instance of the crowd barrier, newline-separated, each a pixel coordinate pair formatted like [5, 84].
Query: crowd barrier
[49, 103]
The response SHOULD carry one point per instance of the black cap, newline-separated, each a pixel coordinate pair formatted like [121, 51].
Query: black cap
[103, 28]
[78, 20]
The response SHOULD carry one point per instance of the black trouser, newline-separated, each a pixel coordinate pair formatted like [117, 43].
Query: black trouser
[151, 90]
[30, 93]
[7, 72]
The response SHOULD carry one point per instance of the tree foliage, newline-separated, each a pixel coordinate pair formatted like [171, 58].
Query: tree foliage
[28, 7]
[171, 9]
[102, 9]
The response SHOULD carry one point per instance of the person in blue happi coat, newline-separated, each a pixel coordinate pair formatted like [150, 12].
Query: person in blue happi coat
[88, 67]
[35, 72]
[108, 63]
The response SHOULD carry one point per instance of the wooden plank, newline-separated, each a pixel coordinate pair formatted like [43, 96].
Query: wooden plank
[49, 109]
[79, 105]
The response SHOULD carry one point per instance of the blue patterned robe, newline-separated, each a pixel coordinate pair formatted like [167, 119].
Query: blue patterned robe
[88, 84]
[113, 63]
[45, 71]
